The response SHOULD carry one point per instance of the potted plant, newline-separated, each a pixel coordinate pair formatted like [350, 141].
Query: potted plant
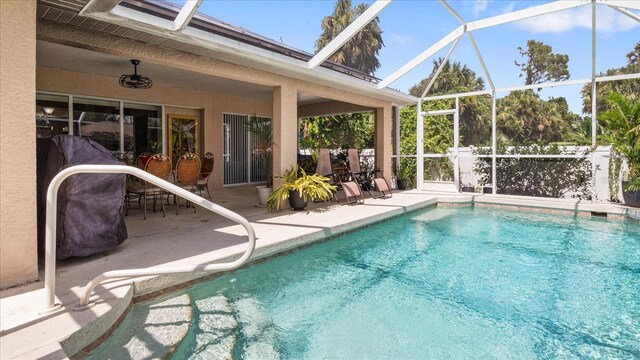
[299, 189]
[261, 131]
[620, 123]
[403, 175]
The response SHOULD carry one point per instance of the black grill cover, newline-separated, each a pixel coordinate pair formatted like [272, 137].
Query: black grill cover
[90, 206]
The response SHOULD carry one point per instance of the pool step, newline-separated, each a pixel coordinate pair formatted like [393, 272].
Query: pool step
[217, 326]
[257, 329]
[150, 332]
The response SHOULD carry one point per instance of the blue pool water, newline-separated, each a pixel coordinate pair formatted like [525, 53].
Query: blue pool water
[445, 283]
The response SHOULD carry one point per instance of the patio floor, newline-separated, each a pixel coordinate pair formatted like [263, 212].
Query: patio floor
[186, 239]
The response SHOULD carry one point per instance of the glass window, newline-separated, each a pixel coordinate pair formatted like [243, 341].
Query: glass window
[142, 129]
[52, 115]
[98, 120]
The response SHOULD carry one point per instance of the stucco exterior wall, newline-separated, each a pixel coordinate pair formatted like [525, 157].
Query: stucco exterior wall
[212, 105]
[18, 246]
[285, 127]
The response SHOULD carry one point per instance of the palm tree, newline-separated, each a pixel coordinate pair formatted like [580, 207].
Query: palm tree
[361, 51]
[453, 78]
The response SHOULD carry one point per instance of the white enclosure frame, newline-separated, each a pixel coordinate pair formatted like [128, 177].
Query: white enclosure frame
[467, 28]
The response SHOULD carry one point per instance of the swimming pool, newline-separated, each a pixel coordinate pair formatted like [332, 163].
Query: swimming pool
[438, 283]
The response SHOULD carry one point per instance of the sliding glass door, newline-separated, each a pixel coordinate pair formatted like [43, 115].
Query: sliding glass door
[98, 120]
[242, 162]
[119, 126]
[142, 129]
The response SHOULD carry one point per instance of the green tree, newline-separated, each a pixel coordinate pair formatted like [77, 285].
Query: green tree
[541, 64]
[475, 111]
[523, 117]
[337, 131]
[621, 129]
[361, 51]
[630, 88]
[453, 78]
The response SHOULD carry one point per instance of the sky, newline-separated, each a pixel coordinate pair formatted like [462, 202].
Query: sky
[411, 26]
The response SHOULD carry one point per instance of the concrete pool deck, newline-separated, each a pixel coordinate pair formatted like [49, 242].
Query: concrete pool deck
[202, 238]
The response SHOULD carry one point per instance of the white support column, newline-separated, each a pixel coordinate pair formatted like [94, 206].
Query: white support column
[594, 121]
[594, 107]
[626, 12]
[121, 103]
[625, 4]
[422, 57]
[444, 62]
[524, 14]
[70, 106]
[456, 145]
[481, 59]
[494, 145]
[348, 32]
[186, 14]
[419, 148]
[396, 135]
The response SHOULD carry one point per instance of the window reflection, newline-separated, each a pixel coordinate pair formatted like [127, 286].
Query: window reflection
[52, 115]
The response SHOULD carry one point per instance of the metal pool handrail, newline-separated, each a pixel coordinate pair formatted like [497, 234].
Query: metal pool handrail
[50, 234]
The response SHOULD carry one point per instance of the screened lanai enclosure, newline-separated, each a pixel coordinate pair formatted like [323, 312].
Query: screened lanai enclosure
[507, 140]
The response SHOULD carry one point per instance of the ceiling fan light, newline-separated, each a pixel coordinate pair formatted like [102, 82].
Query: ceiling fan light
[135, 81]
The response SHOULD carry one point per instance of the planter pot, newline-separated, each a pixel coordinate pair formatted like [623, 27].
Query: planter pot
[296, 201]
[631, 197]
[487, 190]
[263, 195]
[468, 189]
[403, 184]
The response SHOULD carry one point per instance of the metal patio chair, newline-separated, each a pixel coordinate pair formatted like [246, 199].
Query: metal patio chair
[187, 175]
[158, 165]
[205, 171]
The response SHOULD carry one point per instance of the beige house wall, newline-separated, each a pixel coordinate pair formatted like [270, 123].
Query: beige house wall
[18, 248]
[183, 101]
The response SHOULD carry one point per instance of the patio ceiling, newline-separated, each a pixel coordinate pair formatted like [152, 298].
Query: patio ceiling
[76, 59]
[261, 53]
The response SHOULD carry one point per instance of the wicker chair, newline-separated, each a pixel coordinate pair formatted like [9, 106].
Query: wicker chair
[158, 165]
[205, 171]
[187, 175]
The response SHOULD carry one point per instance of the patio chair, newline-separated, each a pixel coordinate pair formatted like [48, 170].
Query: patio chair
[373, 180]
[158, 165]
[187, 175]
[361, 177]
[324, 168]
[352, 190]
[205, 171]
[142, 159]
